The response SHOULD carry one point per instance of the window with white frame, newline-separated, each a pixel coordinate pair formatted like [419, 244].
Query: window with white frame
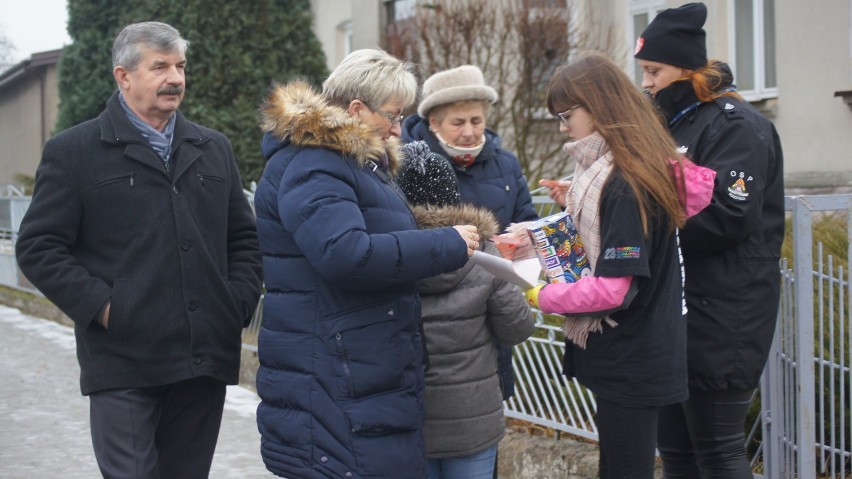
[641, 13]
[344, 35]
[400, 9]
[752, 47]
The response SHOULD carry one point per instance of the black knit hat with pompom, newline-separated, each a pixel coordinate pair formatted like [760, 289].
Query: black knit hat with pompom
[427, 178]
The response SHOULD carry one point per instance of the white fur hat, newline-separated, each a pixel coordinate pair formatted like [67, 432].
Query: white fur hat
[456, 84]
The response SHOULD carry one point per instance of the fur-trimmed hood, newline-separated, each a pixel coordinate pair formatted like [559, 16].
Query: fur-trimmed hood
[429, 217]
[295, 113]
[435, 217]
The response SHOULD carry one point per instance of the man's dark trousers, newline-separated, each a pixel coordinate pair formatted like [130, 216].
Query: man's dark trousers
[161, 432]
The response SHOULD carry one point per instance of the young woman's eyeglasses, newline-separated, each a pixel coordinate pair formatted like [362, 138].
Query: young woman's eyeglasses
[563, 117]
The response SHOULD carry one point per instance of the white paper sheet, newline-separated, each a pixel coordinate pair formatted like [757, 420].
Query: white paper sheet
[522, 272]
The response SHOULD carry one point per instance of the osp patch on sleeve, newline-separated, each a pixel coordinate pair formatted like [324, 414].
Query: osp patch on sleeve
[622, 252]
[739, 183]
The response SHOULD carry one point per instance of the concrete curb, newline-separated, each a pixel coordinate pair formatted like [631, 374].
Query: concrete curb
[521, 455]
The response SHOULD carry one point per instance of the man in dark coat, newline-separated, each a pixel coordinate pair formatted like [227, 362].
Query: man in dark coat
[140, 232]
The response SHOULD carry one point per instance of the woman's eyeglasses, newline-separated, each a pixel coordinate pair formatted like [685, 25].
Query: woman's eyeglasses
[393, 119]
[563, 117]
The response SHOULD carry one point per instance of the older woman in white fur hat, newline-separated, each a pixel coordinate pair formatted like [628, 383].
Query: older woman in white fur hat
[451, 119]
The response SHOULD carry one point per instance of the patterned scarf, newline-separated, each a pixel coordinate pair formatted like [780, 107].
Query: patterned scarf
[593, 167]
[160, 141]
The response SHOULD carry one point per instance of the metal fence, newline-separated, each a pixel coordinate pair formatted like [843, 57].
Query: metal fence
[806, 386]
[13, 205]
[803, 429]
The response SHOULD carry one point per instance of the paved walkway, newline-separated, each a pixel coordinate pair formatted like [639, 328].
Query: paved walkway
[44, 421]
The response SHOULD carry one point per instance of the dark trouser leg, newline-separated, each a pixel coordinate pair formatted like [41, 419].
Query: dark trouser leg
[715, 420]
[507, 379]
[504, 370]
[123, 422]
[496, 459]
[675, 445]
[161, 432]
[627, 438]
[189, 428]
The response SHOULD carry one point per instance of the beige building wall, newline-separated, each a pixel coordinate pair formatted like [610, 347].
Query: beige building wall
[29, 102]
[346, 25]
[814, 60]
[332, 22]
[367, 21]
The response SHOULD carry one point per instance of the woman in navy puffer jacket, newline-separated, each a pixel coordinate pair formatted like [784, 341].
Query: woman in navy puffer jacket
[341, 351]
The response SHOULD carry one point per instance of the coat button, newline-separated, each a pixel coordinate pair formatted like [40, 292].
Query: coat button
[703, 302]
[185, 244]
[192, 306]
[175, 190]
[197, 360]
[348, 474]
[323, 459]
[390, 312]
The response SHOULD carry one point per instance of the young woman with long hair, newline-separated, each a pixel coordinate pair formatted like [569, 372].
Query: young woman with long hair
[624, 324]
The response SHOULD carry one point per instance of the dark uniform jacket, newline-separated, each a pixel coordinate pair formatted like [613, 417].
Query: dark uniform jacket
[175, 253]
[732, 248]
[341, 353]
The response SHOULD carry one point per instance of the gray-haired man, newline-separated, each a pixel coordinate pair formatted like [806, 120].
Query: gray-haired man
[139, 231]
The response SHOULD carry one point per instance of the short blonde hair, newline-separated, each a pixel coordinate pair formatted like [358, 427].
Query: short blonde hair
[372, 76]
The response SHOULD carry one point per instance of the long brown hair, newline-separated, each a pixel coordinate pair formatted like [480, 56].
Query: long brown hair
[640, 144]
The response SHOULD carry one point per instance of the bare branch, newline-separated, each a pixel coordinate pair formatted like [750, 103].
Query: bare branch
[518, 44]
[7, 52]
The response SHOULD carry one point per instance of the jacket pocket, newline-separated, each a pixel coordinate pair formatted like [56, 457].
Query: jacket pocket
[386, 437]
[366, 345]
[118, 304]
[206, 180]
[386, 414]
[233, 302]
[128, 180]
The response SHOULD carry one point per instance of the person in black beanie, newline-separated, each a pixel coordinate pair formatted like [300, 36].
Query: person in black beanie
[465, 314]
[730, 250]
[676, 37]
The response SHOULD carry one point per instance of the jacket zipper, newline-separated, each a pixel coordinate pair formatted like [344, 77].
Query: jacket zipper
[341, 351]
[131, 178]
[201, 178]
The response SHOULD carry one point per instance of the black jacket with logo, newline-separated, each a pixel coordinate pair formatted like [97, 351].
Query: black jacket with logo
[732, 248]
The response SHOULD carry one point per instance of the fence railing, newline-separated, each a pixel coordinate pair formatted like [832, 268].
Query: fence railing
[13, 205]
[803, 430]
[806, 386]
